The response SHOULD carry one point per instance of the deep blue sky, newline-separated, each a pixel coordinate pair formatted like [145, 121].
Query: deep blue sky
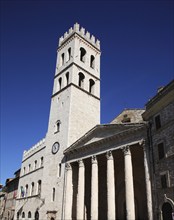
[137, 57]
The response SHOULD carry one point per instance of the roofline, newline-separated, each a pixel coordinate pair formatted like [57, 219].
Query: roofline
[165, 90]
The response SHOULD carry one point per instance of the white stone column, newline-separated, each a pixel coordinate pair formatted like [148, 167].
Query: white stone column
[94, 189]
[129, 189]
[110, 187]
[68, 192]
[81, 191]
[147, 182]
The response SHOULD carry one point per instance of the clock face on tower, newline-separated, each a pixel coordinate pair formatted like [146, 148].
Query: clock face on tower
[55, 147]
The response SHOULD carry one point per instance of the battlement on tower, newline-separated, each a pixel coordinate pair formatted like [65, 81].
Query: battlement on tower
[34, 149]
[83, 33]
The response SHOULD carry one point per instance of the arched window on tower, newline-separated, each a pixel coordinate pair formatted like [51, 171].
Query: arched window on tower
[60, 83]
[69, 54]
[82, 54]
[91, 86]
[57, 126]
[62, 59]
[92, 61]
[39, 187]
[67, 78]
[81, 80]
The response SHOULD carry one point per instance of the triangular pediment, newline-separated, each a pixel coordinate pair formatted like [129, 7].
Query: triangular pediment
[101, 133]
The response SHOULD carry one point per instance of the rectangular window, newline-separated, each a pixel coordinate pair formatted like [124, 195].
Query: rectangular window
[163, 181]
[161, 153]
[157, 122]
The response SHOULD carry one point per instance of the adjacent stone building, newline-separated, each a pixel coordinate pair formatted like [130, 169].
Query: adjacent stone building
[160, 115]
[8, 197]
[84, 170]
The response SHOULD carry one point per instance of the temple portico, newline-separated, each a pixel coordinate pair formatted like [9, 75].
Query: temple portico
[110, 185]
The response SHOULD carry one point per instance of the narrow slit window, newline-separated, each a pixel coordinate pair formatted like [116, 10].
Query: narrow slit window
[53, 195]
[59, 169]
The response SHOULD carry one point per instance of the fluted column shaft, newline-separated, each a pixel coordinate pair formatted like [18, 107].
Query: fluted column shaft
[81, 191]
[69, 192]
[129, 189]
[110, 187]
[148, 183]
[94, 189]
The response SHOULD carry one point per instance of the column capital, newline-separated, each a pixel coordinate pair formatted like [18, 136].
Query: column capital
[68, 166]
[109, 155]
[80, 162]
[94, 159]
[126, 150]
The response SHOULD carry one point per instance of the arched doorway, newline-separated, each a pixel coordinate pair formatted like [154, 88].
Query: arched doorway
[167, 211]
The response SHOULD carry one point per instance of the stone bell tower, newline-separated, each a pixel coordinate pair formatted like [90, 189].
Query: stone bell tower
[75, 109]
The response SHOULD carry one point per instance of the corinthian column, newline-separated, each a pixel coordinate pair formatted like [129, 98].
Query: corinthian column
[110, 187]
[68, 192]
[129, 189]
[94, 189]
[81, 191]
[148, 183]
